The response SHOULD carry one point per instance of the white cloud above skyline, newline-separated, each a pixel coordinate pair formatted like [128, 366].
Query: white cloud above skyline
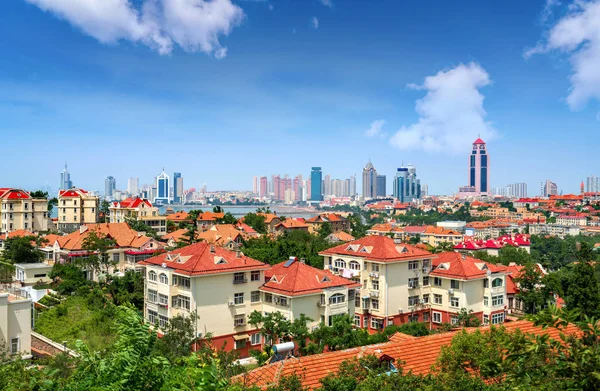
[193, 25]
[327, 3]
[315, 22]
[577, 34]
[376, 128]
[451, 115]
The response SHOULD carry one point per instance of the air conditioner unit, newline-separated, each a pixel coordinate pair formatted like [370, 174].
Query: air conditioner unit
[421, 301]
[450, 291]
[231, 303]
[400, 311]
[328, 267]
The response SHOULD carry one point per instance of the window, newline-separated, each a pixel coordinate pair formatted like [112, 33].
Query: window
[152, 315]
[426, 281]
[354, 265]
[413, 265]
[283, 301]
[425, 316]
[426, 266]
[351, 294]
[486, 283]
[413, 300]
[239, 278]
[453, 319]
[255, 296]
[486, 301]
[454, 284]
[255, 275]
[238, 298]
[426, 299]
[268, 298]
[256, 339]
[486, 319]
[437, 281]
[339, 264]
[375, 285]
[152, 296]
[413, 283]
[437, 317]
[454, 302]
[337, 298]
[497, 300]
[239, 320]
[14, 345]
[184, 302]
[375, 304]
[162, 321]
[357, 301]
[182, 281]
[163, 278]
[498, 318]
[376, 323]
[375, 267]
[496, 282]
[413, 318]
[437, 299]
[357, 320]
[163, 299]
[116, 258]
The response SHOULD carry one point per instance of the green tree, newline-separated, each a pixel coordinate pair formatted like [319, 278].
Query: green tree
[128, 289]
[179, 335]
[140, 226]
[193, 215]
[217, 209]
[532, 292]
[104, 211]
[325, 230]
[20, 249]
[39, 194]
[467, 318]
[257, 222]
[96, 245]
[228, 218]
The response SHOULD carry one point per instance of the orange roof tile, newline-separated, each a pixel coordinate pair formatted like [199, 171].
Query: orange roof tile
[380, 248]
[120, 232]
[460, 266]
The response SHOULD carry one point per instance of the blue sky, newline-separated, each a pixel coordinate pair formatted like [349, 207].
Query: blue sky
[259, 88]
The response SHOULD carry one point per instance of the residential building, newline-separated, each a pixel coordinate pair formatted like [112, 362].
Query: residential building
[407, 187]
[578, 219]
[369, 181]
[21, 211]
[133, 187]
[290, 225]
[339, 237]
[593, 184]
[316, 179]
[163, 194]
[453, 225]
[381, 186]
[222, 286]
[177, 187]
[206, 220]
[263, 187]
[76, 207]
[110, 185]
[20, 233]
[15, 322]
[554, 230]
[352, 186]
[549, 188]
[337, 222]
[272, 220]
[493, 246]
[65, 179]
[223, 235]
[294, 288]
[434, 236]
[139, 209]
[327, 185]
[479, 173]
[32, 273]
[255, 185]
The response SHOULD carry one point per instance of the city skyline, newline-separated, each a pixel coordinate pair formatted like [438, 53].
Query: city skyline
[92, 87]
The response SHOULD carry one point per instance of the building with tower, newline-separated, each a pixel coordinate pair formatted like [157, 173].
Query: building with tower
[407, 187]
[369, 181]
[479, 173]
[549, 188]
[163, 196]
[316, 183]
[65, 179]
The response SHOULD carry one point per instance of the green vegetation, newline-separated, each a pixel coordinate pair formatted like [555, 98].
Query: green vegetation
[140, 226]
[257, 222]
[418, 217]
[20, 249]
[104, 211]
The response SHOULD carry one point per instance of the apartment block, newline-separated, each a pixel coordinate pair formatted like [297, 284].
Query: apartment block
[138, 209]
[76, 207]
[15, 322]
[20, 211]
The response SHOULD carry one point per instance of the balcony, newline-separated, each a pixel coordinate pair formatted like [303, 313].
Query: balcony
[413, 286]
[499, 290]
[366, 311]
[240, 280]
[321, 304]
[426, 270]
[374, 275]
[374, 293]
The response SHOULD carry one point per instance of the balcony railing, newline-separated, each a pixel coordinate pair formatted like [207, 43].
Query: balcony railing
[374, 293]
[240, 280]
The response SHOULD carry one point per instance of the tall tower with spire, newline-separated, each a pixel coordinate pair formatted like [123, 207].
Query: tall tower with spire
[369, 179]
[479, 168]
[65, 179]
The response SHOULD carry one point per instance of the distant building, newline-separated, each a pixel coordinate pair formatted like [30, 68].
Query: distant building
[593, 184]
[76, 207]
[263, 186]
[255, 185]
[407, 187]
[515, 190]
[21, 211]
[177, 187]
[424, 190]
[369, 181]
[549, 188]
[162, 189]
[65, 179]
[133, 186]
[479, 174]
[352, 186]
[110, 184]
[316, 179]
[381, 186]
[327, 185]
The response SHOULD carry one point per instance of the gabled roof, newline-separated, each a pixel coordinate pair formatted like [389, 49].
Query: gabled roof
[269, 217]
[326, 218]
[291, 224]
[479, 141]
[243, 227]
[220, 234]
[210, 216]
[120, 232]
[379, 248]
[176, 235]
[14, 194]
[19, 233]
[178, 216]
[430, 229]
[342, 236]
[131, 203]
[459, 266]
[203, 258]
[73, 192]
[418, 354]
[298, 279]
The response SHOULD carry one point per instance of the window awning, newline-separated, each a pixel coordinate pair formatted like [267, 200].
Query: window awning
[240, 337]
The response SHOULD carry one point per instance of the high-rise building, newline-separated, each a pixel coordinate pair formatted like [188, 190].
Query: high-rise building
[352, 186]
[162, 189]
[65, 179]
[263, 186]
[327, 185]
[133, 186]
[407, 187]
[593, 184]
[479, 163]
[381, 186]
[316, 180]
[424, 190]
[255, 185]
[177, 187]
[110, 184]
[369, 181]
[549, 188]
[517, 190]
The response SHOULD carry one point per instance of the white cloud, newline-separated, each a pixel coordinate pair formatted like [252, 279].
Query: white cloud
[270, 7]
[194, 25]
[577, 34]
[327, 3]
[451, 115]
[375, 128]
[315, 22]
[549, 9]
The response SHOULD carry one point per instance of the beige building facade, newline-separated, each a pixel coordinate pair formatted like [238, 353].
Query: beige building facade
[19, 211]
[15, 323]
[76, 207]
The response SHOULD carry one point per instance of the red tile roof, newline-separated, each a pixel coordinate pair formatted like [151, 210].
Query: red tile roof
[479, 141]
[14, 194]
[72, 192]
[300, 279]
[178, 216]
[132, 203]
[210, 216]
[292, 224]
[459, 266]
[380, 248]
[419, 355]
[202, 258]
[120, 232]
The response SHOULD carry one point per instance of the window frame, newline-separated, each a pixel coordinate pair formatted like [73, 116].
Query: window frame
[238, 298]
[438, 315]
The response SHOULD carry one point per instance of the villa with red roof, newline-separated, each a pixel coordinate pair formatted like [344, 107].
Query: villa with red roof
[18, 210]
[336, 221]
[139, 209]
[76, 207]
[493, 246]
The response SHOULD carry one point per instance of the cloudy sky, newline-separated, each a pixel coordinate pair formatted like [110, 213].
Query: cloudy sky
[223, 90]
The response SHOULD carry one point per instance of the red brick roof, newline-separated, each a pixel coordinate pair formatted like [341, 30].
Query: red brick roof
[210, 216]
[14, 194]
[120, 232]
[419, 355]
[203, 258]
[380, 248]
[132, 203]
[301, 279]
[456, 265]
[72, 192]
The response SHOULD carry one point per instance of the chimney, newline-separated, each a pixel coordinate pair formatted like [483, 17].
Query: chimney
[212, 248]
[302, 260]
[238, 254]
[464, 256]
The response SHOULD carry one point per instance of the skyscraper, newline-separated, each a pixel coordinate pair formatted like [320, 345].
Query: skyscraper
[255, 185]
[549, 188]
[316, 180]
[369, 181]
[381, 186]
[110, 184]
[352, 186]
[133, 186]
[263, 186]
[65, 179]
[327, 185]
[479, 173]
[177, 187]
[593, 184]
[407, 187]
[162, 188]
